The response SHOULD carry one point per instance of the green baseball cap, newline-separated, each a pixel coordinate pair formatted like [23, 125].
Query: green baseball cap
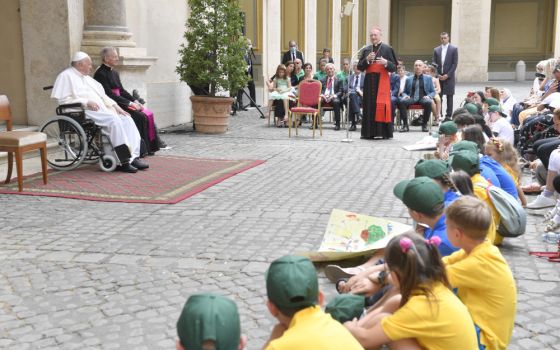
[465, 160]
[472, 108]
[432, 168]
[448, 128]
[491, 101]
[464, 145]
[495, 108]
[208, 316]
[346, 307]
[420, 194]
[291, 283]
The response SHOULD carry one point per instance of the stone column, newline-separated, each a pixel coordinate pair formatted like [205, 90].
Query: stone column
[355, 28]
[310, 49]
[557, 33]
[336, 32]
[105, 25]
[379, 14]
[470, 32]
[271, 34]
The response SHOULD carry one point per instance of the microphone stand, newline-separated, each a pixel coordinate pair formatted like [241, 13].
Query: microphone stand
[348, 139]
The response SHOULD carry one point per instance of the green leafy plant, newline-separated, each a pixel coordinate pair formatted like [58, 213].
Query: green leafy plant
[213, 57]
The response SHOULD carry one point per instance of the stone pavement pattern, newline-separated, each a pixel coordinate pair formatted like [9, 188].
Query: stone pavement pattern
[91, 275]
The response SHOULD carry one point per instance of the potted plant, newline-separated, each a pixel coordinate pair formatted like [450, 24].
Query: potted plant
[212, 60]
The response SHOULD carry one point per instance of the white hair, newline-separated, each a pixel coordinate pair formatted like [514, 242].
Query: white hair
[330, 65]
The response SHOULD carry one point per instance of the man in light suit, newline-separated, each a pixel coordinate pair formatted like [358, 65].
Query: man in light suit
[446, 58]
[418, 89]
[292, 53]
[331, 93]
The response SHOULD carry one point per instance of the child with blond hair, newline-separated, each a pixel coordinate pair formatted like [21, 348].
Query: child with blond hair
[479, 272]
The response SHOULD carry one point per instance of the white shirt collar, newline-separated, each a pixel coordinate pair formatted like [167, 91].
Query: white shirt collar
[445, 46]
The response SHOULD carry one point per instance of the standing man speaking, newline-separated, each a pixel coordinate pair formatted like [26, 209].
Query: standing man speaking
[446, 57]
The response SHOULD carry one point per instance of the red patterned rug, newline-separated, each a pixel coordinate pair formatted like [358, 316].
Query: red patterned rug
[169, 180]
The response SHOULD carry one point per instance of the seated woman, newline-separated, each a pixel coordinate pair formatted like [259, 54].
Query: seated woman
[423, 313]
[436, 103]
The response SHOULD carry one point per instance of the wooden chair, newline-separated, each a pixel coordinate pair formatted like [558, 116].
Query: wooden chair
[309, 102]
[20, 142]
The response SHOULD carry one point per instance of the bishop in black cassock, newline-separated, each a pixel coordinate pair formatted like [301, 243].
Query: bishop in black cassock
[111, 81]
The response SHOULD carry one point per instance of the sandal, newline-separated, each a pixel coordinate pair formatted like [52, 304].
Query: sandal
[534, 188]
[552, 226]
[337, 284]
[334, 272]
[549, 215]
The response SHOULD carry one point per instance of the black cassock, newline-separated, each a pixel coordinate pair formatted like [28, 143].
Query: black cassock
[110, 80]
[370, 127]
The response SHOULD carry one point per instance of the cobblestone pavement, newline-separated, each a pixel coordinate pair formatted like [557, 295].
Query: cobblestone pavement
[78, 274]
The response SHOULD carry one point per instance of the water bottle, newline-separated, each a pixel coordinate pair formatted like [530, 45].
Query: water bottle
[551, 237]
[389, 229]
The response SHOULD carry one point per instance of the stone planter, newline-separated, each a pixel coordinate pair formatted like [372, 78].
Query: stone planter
[211, 114]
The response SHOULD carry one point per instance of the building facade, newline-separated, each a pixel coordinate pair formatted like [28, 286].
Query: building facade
[38, 38]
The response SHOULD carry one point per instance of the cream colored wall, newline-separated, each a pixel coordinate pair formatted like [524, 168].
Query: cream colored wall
[46, 52]
[158, 26]
[12, 79]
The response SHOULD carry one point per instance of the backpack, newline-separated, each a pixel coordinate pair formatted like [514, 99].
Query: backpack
[513, 219]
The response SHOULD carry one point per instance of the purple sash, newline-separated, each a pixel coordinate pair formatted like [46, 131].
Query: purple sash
[149, 114]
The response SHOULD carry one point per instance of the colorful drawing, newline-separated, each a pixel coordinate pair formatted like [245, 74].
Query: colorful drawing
[349, 234]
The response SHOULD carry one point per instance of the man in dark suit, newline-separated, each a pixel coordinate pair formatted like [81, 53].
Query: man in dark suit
[249, 55]
[292, 53]
[331, 93]
[355, 85]
[418, 89]
[446, 58]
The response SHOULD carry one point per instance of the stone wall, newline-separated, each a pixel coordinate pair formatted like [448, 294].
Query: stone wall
[158, 25]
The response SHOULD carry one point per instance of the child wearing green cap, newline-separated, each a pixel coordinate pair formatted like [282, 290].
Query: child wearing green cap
[209, 321]
[469, 162]
[293, 299]
[479, 272]
[429, 316]
[447, 137]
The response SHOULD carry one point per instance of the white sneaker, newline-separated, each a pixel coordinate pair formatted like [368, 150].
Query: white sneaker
[542, 202]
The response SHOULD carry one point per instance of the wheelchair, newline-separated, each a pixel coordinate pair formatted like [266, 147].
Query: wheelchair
[79, 140]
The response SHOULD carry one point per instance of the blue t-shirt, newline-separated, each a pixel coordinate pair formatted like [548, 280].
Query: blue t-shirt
[506, 181]
[449, 197]
[445, 248]
[489, 174]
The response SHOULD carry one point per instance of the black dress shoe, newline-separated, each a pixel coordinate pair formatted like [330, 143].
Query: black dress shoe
[352, 128]
[404, 128]
[425, 128]
[337, 127]
[127, 168]
[140, 165]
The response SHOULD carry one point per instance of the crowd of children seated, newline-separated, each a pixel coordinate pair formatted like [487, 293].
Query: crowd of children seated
[443, 285]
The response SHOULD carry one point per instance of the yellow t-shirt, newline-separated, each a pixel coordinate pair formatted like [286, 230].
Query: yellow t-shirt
[485, 285]
[313, 329]
[509, 170]
[480, 193]
[442, 323]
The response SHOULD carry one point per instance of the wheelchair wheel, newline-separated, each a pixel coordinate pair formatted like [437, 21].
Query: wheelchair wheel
[107, 163]
[70, 140]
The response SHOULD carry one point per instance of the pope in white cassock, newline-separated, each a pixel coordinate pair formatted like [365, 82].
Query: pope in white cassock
[74, 85]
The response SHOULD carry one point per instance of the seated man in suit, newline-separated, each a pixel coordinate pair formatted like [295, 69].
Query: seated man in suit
[292, 54]
[418, 89]
[355, 93]
[331, 93]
